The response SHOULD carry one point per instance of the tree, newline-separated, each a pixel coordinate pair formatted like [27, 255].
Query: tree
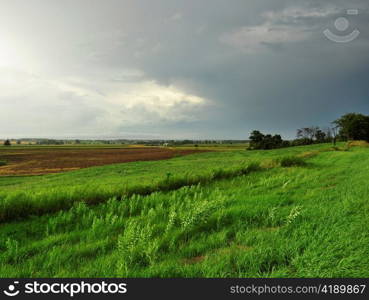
[7, 143]
[307, 132]
[313, 134]
[256, 137]
[334, 132]
[320, 136]
[353, 126]
[261, 141]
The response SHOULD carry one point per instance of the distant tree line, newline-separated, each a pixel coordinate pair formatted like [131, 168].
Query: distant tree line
[350, 126]
[190, 142]
[45, 141]
[314, 135]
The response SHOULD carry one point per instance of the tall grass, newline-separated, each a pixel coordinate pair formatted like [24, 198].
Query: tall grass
[23, 204]
[51, 193]
[22, 197]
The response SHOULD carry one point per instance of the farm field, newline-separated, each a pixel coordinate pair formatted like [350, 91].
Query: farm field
[294, 212]
[43, 160]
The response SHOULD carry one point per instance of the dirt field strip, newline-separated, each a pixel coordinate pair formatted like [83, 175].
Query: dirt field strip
[46, 161]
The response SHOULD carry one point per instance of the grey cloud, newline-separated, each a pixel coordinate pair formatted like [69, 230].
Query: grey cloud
[293, 77]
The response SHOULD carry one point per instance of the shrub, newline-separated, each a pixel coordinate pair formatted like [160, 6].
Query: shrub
[291, 161]
[302, 142]
[2, 163]
[251, 167]
[286, 144]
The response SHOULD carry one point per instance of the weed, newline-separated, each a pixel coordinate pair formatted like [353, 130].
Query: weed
[294, 213]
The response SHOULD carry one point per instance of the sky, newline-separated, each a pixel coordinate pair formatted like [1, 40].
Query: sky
[174, 69]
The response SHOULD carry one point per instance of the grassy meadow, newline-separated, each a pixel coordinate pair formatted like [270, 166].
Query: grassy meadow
[294, 212]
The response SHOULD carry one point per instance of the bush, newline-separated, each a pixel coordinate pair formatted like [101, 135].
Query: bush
[291, 161]
[302, 142]
[286, 144]
[3, 163]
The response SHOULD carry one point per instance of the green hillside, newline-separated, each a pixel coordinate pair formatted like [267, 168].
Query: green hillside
[247, 214]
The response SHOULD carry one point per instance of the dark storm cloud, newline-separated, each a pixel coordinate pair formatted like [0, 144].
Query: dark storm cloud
[218, 68]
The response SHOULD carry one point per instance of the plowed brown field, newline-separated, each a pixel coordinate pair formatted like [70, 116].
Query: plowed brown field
[49, 160]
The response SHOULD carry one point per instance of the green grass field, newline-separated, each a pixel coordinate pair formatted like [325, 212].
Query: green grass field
[218, 214]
